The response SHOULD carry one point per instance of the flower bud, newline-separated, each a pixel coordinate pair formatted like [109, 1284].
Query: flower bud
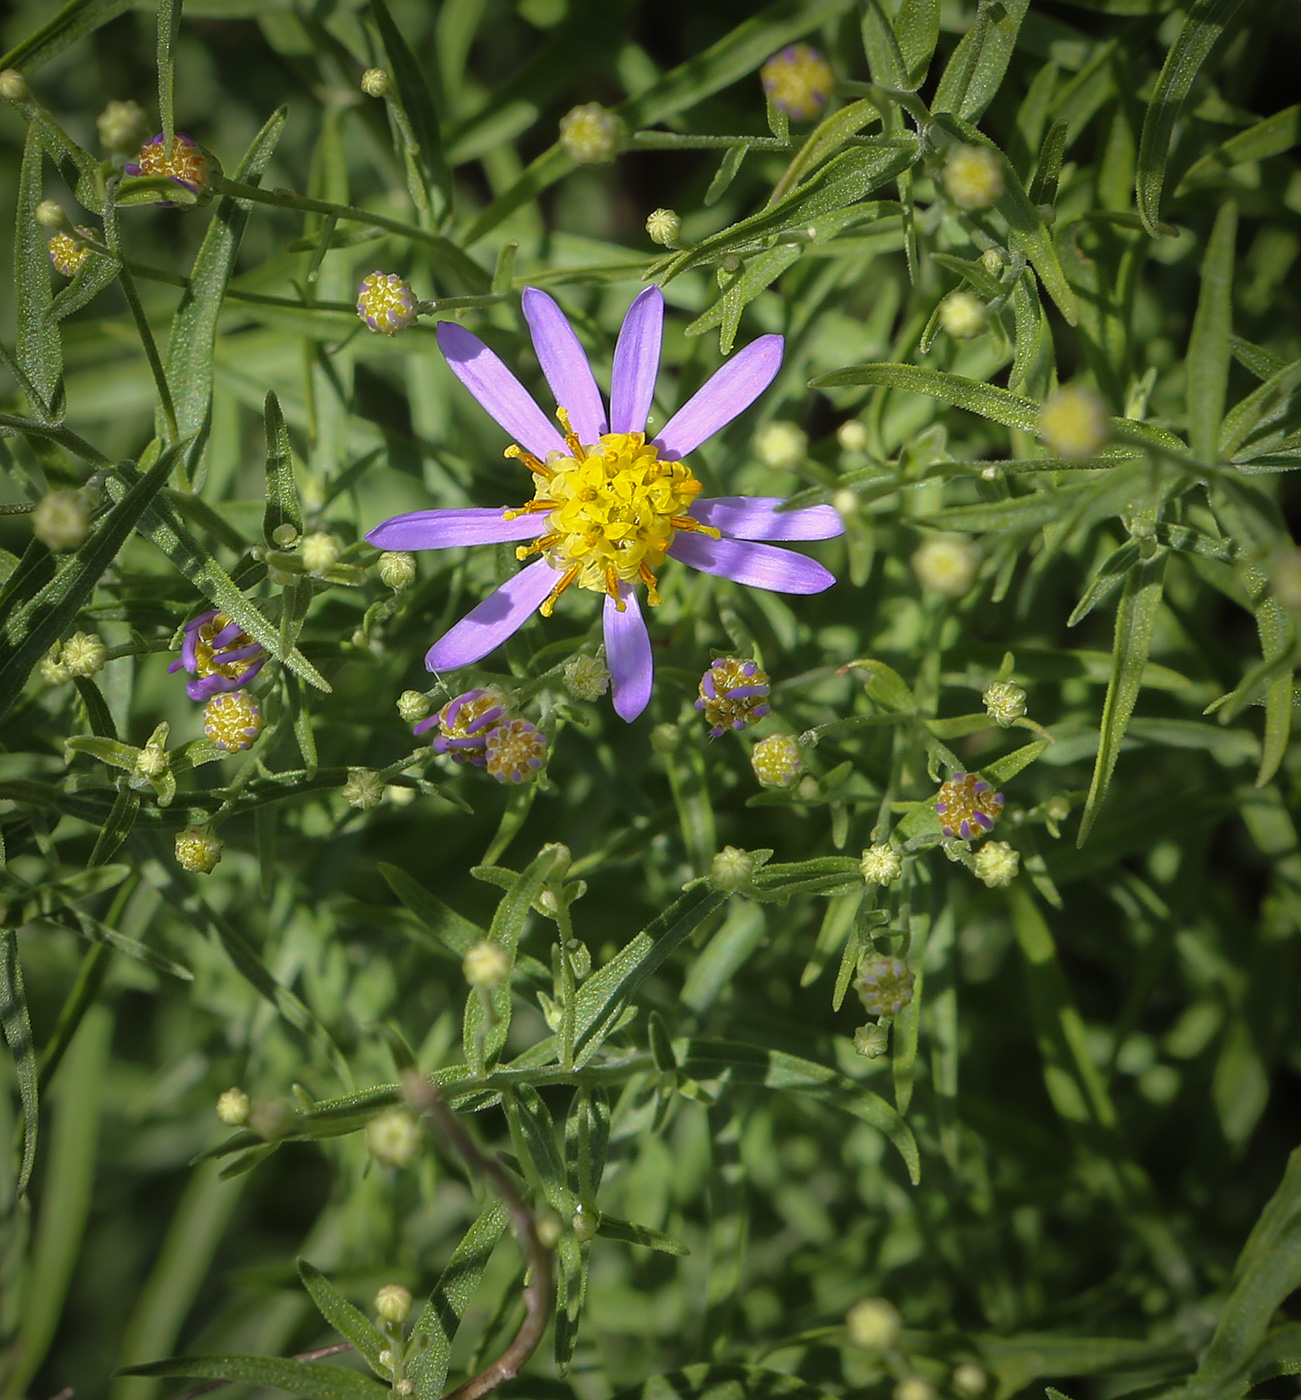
[233, 1108]
[60, 520]
[969, 1380]
[664, 738]
[49, 214]
[996, 864]
[123, 127]
[232, 720]
[732, 869]
[852, 435]
[13, 85]
[845, 502]
[375, 82]
[396, 569]
[1073, 422]
[798, 81]
[1004, 702]
[284, 534]
[69, 251]
[53, 671]
[993, 262]
[319, 552]
[486, 965]
[880, 864]
[589, 134]
[777, 761]
[186, 166]
[386, 302]
[585, 1224]
[781, 445]
[393, 1303]
[872, 1041]
[272, 1119]
[946, 565]
[733, 694]
[967, 806]
[586, 677]
[664, 227]
[973, 177]
[198, 849]
[873, 1324]
[885, 986]
[514, 751]
[962, 315]
[84, 654]
[412, 706]
[914, 1388]
[394, 1137]
[363, 790]
[550, 1230]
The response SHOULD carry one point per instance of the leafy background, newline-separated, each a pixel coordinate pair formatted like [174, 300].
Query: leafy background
[1093, 1096]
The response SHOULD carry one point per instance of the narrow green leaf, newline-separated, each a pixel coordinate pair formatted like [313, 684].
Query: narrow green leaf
[1109, 576]
[1205, 22]
[1048, 168]
[117, 826]
[917, 28]
[1135, 621]
[310, 1381]
[75, 19]
[587, 1140]
[17, 1028]
[29, 632]
[441, 1316]
[458, 933]
[885, 59]
[725, 174]
[1003, 770]
[37, 349]
[975, 71]
[1208, 347]
[1270, 137]
[348, 1321]
[194, 326]
[169, 23]
[626, 1232]
[988, 400]
[282, 493]
[1262, 410]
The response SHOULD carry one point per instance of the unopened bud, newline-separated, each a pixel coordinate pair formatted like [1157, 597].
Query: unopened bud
[396, 569]
[319, 552]
[1073, 422]
[664, 227]
[969, 1379]
[777, 761]
[198, 849]
[585, 1224]
[13, 85]
[992, 261]
[946, 565]
[394, 1137]
[363, 790]
[852, 435]
[586, 677]
[962, 315]
[393, 1303]
[880, 864]
[732, 868]
[1004, 702]
[123, 127]
[973, 177]
[272, 1119]
[872, 1041]
[781, 445]
[486, 965]
[914, 1388]
[413, 706]
[284, 534]
[375, 82]
[873, 1324]
[996, 864]
[589, 134]
[60, 520]
[233, 1108]
[84, 654]
[49, 214]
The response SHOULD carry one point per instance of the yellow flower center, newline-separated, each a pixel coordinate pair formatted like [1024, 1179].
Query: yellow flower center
[208, 662]
[613, 508]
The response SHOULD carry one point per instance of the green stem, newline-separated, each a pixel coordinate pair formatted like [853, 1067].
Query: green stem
[672, 141]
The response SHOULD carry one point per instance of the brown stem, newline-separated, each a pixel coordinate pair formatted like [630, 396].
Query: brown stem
[426, 1099]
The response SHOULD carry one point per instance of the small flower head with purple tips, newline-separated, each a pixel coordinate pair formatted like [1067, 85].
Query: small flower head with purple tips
[610, 506]
[187, 165]
[967, 806]
[798, 81]
[885, 986]
[232, 720]
[69, 251]
[219, 654]
[733, 694]
[464, 724]
[386, 302]
[515, 751]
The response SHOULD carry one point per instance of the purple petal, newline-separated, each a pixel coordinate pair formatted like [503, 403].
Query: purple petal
[440, 529]
[500, 615]
[757, 518]
[628, 654]
[636, 363]
[497, 389]
[758, 565]
[564, 362]
[728, 392]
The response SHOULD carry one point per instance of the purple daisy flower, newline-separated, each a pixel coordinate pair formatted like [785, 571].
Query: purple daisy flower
[609, 506]
[219, 654]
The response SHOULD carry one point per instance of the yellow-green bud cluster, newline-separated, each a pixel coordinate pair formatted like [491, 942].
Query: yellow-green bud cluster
[1004, 702]
[52, 669]
[393, 1303]
[664, 227]
[873, 1324]
[589, 134]
[69, 251]
[586, 677]
[198, 850]
[375, 82]
[233, 1108]
[123, 127]
[946, 565]
[962, 315]
[386, 302]
[885, 986]
[60, 520]
[777, 761]
[396, 569]
[996, 864]
[1073, 422]
[413, 706]
[486, 965]
[84, 654]
[364, 789]
[232, 720]
[880, 864]
[319, 552]
[973, 177]
[732, 869]
[781, 445]
[394, 1137]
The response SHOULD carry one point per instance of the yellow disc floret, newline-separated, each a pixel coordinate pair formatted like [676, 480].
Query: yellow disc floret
[613, 508]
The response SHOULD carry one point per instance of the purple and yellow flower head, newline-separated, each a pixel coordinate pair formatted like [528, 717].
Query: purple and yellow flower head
[798, 81]
[187, 165]
[464, 724]
[609, 506]
[219, 654]
[967, 806]
[733, 694]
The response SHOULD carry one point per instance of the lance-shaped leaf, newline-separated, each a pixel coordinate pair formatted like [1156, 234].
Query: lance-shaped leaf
[38, 349]
[308, 1380]
[1208, 347]
[17, 1028]
[348, 1321]
[282, 506]
[75, 19]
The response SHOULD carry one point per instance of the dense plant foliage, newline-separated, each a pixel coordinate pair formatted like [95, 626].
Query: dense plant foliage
[887, 985]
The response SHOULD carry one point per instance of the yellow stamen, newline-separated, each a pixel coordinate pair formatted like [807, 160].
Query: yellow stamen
[571, 437]
[543, 542]
[652, 586]
[549, 602]
[530, 461]
[533, 507]
[688, 526]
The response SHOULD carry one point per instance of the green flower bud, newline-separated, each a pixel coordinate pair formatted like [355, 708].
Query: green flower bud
[1004, 702]
[393, 1303]
[873, 1324]
[732, 869]
[375, 82]
[394, 1137]
[880, 864]
[363, 790]
[664, 227]
[233, 1108]
[396, 569]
